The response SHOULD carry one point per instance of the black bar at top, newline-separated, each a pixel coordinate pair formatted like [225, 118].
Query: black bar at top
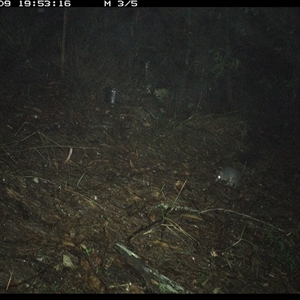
[47, 4]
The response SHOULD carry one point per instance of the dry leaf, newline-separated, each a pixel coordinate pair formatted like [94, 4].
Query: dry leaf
[67, 262]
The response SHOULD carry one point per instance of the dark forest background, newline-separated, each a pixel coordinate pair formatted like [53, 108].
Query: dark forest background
[208, 59]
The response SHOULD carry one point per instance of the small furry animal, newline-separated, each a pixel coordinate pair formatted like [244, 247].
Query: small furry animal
[230, 175]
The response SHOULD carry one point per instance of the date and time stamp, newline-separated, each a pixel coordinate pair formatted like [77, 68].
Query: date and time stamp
[62, 3]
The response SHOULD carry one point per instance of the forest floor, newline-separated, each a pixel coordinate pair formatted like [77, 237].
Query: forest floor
[124, 199]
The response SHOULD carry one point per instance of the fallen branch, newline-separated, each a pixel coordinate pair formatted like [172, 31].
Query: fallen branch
[155, 281]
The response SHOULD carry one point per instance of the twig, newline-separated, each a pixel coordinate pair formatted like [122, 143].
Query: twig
[243, 215]
[80, 179]
[69, 155]
[176, 199]
[25, 123]
[9, 280]
[168, 209]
